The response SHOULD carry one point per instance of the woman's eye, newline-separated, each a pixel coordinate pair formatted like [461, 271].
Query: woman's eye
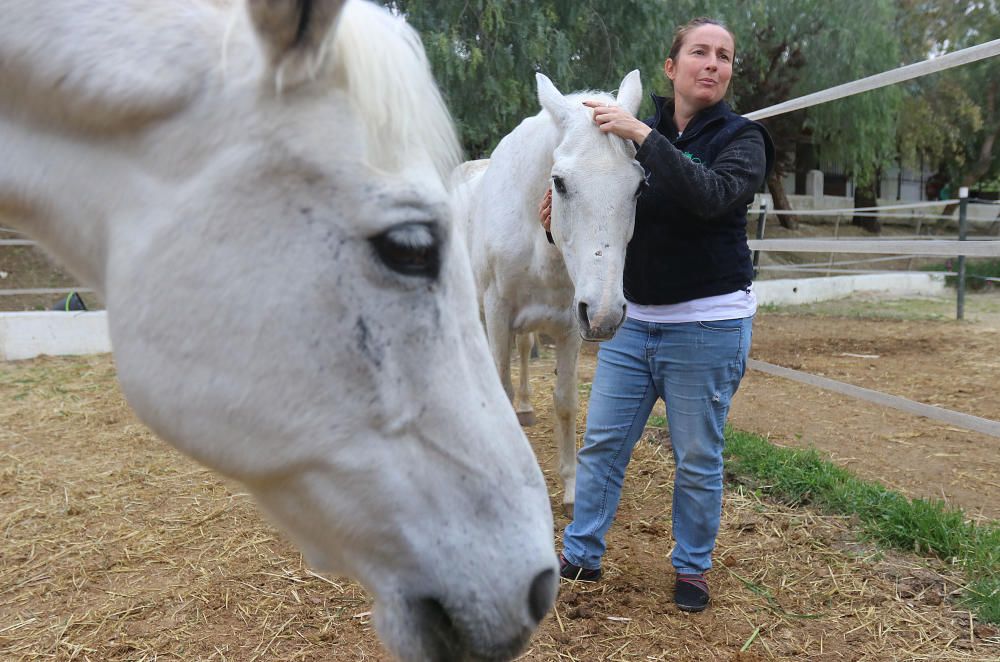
[558, 184]
[412, 249]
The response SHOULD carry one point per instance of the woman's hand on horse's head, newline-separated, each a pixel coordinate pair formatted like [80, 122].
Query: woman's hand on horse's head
[545, 209]
[617, 120]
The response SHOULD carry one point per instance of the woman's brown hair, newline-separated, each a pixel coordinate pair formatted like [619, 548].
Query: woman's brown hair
[681, 32]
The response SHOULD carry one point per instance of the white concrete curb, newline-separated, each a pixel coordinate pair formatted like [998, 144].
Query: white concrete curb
[27, 335]
[31, 334]
[791, 291]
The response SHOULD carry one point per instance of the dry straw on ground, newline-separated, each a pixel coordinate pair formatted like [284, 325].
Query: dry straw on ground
[115, 547]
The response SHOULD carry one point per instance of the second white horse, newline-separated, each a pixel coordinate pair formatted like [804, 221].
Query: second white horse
[569, 288]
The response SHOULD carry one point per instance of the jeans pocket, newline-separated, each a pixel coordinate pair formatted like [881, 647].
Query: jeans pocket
[732, 325]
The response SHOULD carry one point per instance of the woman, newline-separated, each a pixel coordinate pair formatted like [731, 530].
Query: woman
[691, 304]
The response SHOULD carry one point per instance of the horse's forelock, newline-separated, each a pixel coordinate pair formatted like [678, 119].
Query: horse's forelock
[381, 61]
[622, 147]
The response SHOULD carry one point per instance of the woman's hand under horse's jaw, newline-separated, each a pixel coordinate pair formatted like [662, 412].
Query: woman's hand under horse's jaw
[617, 120]
[545, 209]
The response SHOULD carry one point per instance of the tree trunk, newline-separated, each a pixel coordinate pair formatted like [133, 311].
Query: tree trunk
[865, 197]
[781, 201]
[982, 164]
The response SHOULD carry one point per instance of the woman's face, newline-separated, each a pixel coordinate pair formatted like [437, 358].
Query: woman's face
[703, 66]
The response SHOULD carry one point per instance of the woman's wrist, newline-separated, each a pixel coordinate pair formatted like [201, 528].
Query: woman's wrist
[640, 133]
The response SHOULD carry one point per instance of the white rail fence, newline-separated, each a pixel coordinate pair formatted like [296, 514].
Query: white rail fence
[933, 247]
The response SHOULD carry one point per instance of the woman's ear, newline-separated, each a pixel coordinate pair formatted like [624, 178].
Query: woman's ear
[668, 68]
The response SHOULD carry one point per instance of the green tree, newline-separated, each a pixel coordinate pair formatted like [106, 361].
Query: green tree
[951, 118]
[485, 53]
[790, 48]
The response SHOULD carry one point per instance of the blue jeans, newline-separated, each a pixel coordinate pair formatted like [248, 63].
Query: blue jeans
[696, 368]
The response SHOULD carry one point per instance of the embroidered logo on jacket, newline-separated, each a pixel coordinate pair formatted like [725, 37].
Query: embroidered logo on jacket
[691, 156]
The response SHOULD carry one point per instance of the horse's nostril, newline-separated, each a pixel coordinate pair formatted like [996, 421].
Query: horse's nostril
[581, 311]
[442, 636]
[542, 594]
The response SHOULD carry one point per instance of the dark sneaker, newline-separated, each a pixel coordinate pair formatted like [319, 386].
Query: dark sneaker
[691, 592]
[575, 573]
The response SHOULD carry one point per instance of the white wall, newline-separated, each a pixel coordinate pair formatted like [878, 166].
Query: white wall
[792, 291]
[31, 334]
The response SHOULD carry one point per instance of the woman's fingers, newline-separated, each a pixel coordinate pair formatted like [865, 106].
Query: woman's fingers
[545, 209]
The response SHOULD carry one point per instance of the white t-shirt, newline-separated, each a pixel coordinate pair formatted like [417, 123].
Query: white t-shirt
[735, 305]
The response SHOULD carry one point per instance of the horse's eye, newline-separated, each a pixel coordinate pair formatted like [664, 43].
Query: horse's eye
[559, 184]
[412, 249]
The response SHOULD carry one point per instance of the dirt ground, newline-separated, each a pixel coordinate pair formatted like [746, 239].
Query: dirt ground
[115, 547]
[955, 365]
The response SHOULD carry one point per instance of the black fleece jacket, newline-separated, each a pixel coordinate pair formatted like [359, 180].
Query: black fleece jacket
[690, 223]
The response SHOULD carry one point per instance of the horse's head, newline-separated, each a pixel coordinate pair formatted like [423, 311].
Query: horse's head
[595, 182]
[289, 302]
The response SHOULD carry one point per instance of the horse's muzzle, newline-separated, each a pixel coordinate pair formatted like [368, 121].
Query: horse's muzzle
[597, 328]
[447, 639]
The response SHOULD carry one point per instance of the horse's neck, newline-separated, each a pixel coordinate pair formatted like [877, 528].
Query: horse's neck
[523, 161]
[105, 65]
[63, 193]
[82, 81]
[524, 158]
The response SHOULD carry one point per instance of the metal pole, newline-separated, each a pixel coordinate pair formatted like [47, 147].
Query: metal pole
[963, 204]
[760, 233]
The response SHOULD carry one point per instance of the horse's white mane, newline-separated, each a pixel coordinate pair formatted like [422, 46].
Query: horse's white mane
[621, 146]
[392, 87]
[379, 60]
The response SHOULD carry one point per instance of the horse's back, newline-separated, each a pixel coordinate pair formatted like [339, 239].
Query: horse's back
[464, 185]
[468, 171]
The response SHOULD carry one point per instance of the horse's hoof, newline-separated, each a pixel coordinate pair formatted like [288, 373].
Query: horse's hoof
[526, 418]
[568, 510]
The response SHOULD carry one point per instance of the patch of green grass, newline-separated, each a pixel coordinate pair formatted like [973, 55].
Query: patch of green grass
[800, 477]
[657, 421]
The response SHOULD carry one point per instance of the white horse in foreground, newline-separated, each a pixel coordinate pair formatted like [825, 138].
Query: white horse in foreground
[570, 289]
[257, 192]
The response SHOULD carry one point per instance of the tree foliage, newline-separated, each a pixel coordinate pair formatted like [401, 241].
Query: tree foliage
[790, 48]
[952, 117]
[485, 53]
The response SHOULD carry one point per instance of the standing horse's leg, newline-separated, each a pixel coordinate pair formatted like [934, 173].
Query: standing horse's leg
[522, 404]
[565, 404]
[500, 338]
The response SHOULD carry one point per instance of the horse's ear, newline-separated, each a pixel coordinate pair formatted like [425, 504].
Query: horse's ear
[294, 34]
[552, 99]
[630, 92]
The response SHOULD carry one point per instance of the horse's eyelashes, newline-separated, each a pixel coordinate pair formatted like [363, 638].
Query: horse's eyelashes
[559, 184]
[412, 249]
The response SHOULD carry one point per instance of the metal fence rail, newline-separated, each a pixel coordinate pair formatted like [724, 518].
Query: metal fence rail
[932, 247]
[967, 421]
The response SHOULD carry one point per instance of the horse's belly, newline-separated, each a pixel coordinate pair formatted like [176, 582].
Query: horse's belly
[546, 319]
